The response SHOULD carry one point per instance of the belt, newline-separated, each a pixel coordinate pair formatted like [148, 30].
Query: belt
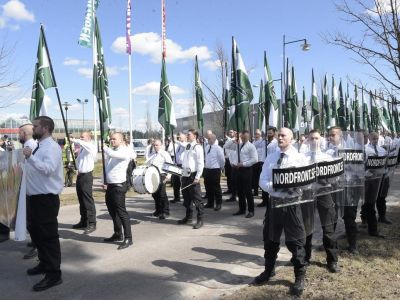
[83, 173]
[117, 184]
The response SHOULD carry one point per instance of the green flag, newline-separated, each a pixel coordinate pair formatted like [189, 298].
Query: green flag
[261, 107]
[86, 36]
[365, 113]
[342, 109]
[304, 112]
[199, 96]
[356, 110]
[334, 105]
[326, 106]
[227, 101]
[166, 113]
[42, 79]
[385, 117]
[294, 104]
[100, 85]
[315, 116]
[271, 103]
[374, 113]
[396, 116]
[241, 92]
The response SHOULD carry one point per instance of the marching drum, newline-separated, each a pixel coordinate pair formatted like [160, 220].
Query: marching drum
[146, 179]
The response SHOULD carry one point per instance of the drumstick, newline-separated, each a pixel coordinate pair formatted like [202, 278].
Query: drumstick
[187, 186]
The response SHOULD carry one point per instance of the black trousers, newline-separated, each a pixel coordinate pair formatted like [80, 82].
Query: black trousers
[176, 184]
[192, 195]
[257, 168]
[368, 211]
[286, 219]
[350, 214]
[228, 174]
[327, 215]
[244, 183]
[84, 190]
[234, 181]
[4, 232]
[212, 183]
[161, 199]
[115, 201]
[44, 231]
[381, 201]
[264, 197]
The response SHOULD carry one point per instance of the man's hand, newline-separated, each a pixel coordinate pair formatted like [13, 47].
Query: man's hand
[27, 152]
[196, 181]
[239, 165]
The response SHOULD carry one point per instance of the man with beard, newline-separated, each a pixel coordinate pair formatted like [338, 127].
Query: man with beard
[176, 179]
[44, 183]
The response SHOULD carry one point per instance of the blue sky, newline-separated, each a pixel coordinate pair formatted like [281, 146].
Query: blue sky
[193, 27]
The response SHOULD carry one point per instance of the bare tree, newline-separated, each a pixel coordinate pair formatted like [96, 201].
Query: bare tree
[379, 45]
[7, 81]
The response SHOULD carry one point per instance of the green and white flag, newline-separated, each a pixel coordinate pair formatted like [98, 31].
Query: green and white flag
[86, 36]
[241, 92]
[100, 85]
[366, 113]
[294, 104]
[384, 115]
[166, 112]
[227, 99]
[304, 112]
[315, 116]
[261, 107]
[271, 103]
[374, 113]
[326, 106]
[396, 115]
[356, 111]
[342, 109]
[199, 96]
[334, 104]
[42, 79]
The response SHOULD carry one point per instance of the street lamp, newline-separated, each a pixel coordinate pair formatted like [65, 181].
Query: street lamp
[66, 104]
[83, 102]
[305, 47]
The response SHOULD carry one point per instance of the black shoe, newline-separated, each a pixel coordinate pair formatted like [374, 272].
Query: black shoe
[238, 213]
[114, 238]
[198, 224]
[250, 215]
[307, 262]
[208, 206]
[298, 287]
[4, 237]
[175, 201]
[227, 192]
[185, 220]
[30, 245]
[255, 194]
[91, 227]
[204, 197]
[376, 234]
[125, 244]
[263, 278]
[80, 225]
[46, 283]
[161, 217]
[231, 199]
[384, 221]
[353, 251]
[35, 270]
[31, 254]
[333, 267]
[218, 207]
[156, 214]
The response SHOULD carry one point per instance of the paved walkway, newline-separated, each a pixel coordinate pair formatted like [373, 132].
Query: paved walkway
[167, 261]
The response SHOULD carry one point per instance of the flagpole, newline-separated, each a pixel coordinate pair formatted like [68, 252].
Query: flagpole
[58, 94]
[128, 36]
[163, 51]
[173, 141]
[235, 95]
[94, 60]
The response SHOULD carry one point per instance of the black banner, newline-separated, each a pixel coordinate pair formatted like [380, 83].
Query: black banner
[293, 177]
[376, 162]
[351, 156]
[330, 169]
[392, 161]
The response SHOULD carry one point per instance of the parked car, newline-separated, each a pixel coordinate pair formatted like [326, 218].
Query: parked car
[139, 148]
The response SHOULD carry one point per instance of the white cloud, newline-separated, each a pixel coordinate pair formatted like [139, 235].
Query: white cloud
[212, 65]
[86, 72]
[15, 10]
[24, 101]
[120, 111]
[69, 61]
[152, 88]
[111, 71]
[149, 43]
[183, 107]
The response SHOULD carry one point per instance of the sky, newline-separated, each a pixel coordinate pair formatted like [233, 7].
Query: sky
[193, 28]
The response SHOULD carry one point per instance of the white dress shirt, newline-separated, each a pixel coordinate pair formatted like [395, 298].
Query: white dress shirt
[193, 159]
[214, 157]
[260, 147]
[180, 147]
[158, 159]
[149, 151]
[248, 153]
[86, 157]
[292, 158]
[44, 169]
[117, 161]
[31, 143]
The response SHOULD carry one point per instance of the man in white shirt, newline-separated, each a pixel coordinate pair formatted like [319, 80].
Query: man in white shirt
[84, 182]
[149, 148]
[160, 196]
[176, 180]
[25, 138]
[287, 218]
[117, 159]
[228, 168]
[244, 166]
[259, 143]
[214, 164]
[44, 183]
[193, 160]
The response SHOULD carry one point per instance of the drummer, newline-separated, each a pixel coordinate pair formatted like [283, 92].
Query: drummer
[157, 159]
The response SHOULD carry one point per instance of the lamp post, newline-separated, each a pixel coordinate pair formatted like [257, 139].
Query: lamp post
[83, 102]
[66, 104]
[305, 47]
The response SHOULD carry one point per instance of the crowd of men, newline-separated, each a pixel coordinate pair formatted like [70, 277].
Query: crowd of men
[248, 164]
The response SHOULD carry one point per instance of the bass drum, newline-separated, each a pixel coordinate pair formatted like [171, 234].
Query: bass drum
[146, 180]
